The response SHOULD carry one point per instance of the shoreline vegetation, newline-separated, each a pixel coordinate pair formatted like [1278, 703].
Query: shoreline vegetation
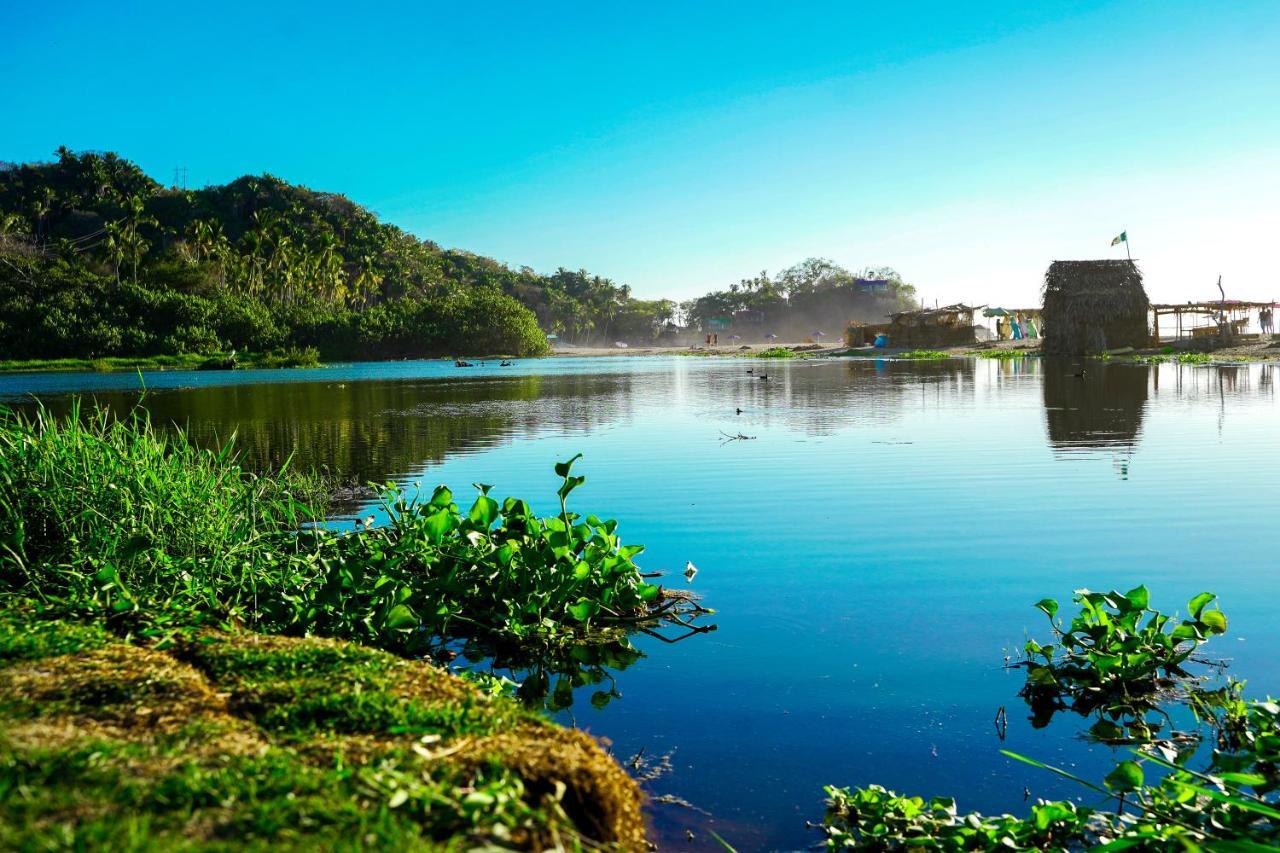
[310, 357]
[189, 652]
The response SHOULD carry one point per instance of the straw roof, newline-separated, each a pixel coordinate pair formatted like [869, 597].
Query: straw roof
[1092, 306]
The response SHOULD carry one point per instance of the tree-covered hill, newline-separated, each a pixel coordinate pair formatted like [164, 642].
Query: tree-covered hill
[98, 259]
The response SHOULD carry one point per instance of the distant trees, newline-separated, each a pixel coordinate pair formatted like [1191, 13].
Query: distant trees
[802, 298]
[304, 257]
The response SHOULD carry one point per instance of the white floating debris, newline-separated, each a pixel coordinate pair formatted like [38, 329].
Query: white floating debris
[690, 570]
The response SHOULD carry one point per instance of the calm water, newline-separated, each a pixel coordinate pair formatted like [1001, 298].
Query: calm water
[873, 549]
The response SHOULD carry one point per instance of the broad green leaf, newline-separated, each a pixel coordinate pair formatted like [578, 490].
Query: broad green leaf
[1199, 603]
[1214, 620]
[584, 609]
[1139, 597]
[1126, 777]
[1049, 606]
[441, 497]
[400, 618]
[484, 511]
[439, 525]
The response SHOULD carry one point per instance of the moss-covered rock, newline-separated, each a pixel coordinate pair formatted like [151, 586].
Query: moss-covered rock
[242, 740]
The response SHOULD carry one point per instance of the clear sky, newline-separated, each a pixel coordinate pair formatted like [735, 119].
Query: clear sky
[679, 147]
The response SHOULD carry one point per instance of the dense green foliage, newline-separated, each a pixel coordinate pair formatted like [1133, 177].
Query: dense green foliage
[109, 517]
[1116, 657]
[97, 259]
[874, 818]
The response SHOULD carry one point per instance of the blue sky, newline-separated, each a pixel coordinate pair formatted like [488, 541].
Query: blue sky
[679, 147]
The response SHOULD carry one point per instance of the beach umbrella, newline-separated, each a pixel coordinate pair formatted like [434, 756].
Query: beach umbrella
[735, 337]
[819, 334]
[772, 337]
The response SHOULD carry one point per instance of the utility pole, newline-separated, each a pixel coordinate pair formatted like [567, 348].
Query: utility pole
[179, 177]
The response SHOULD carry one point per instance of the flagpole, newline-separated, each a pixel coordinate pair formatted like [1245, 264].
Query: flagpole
[1127, 253]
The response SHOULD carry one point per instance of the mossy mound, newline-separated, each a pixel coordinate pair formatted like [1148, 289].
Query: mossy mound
[223, 741]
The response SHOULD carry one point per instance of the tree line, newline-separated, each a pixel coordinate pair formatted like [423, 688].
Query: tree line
[99, 259]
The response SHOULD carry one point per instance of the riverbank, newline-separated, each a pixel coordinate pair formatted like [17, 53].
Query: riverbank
[155, 686]
[307, 357]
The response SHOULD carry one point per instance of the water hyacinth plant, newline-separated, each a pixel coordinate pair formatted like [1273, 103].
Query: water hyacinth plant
[1117, 657]
[112, 518]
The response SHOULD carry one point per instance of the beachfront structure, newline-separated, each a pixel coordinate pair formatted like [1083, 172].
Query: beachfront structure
[1093, 306]
[951, 325]
[1208, 321]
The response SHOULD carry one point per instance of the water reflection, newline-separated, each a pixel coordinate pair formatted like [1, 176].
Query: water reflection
[378, 430]
[1098, 407]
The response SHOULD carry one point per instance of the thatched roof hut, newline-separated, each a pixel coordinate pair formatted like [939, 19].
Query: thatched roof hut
[1093, 306]
[951, 325]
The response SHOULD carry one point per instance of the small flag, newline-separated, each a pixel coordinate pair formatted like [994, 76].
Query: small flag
[1123, 238]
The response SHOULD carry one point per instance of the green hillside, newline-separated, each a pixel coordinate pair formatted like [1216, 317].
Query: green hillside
[97, 259]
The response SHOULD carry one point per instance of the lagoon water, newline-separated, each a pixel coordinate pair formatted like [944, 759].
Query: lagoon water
[873, 546]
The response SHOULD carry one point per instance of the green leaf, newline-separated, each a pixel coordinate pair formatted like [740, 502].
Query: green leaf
[484, 512]
[1139, 597]
[1199, 603]
[648, 592]
[1049, 606]
[439, 525]
[563, 468]
[400, 618]
[441, 497]
[584, 609]
[1126, 777]
[1214, 620]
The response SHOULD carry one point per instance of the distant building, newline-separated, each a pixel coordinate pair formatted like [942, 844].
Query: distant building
[872, 286]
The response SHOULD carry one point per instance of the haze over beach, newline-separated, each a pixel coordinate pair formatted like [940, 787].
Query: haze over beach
[679, 150]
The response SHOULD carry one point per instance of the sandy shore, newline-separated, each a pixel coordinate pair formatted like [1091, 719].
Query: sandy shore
[1264, 348]
[723, 349]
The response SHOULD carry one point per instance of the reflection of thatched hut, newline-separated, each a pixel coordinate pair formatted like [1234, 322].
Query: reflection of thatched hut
[1093, 306]
[1103, 408]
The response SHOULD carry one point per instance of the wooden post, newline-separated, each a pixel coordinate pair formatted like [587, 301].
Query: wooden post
[1155, 332]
